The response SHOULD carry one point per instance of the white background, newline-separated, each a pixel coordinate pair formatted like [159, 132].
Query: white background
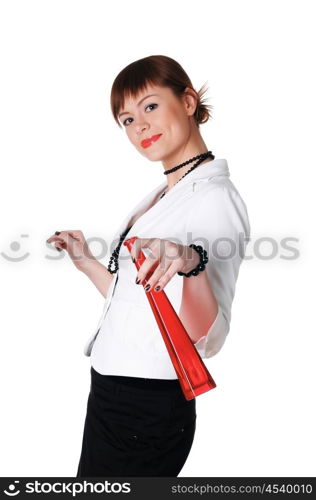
[65, 164]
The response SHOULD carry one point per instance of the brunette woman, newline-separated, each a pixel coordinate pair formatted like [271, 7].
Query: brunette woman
[193, 228]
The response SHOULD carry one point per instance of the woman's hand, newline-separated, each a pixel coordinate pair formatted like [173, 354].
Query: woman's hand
[75, 244]
[166, 259]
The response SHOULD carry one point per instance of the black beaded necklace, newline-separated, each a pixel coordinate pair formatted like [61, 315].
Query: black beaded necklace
[200, 158]
[115, 254]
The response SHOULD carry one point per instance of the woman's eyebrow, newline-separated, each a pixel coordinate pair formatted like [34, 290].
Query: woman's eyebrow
[128, 112]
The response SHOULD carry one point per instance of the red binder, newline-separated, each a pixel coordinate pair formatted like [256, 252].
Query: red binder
[192, 373]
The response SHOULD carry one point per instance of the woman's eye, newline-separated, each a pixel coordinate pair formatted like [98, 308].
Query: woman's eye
[124, 122]
[151, 105]
[148, 106]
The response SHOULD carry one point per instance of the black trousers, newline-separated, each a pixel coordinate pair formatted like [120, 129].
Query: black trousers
[136, 427]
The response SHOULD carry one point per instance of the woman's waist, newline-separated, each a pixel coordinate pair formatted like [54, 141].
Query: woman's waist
[142, 386]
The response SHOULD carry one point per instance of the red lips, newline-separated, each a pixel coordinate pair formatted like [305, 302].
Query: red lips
[148, 142]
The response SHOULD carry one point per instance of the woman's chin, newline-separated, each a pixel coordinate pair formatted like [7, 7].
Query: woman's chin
[153, 155]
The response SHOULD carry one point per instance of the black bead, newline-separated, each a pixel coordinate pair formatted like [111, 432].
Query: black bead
[200, 158]
[201, 265]
[114, 257]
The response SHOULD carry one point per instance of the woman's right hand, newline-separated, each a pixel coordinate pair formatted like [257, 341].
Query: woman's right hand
[75, 244]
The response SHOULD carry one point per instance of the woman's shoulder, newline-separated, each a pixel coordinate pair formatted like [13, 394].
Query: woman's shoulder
[219, 200]
[218, 188]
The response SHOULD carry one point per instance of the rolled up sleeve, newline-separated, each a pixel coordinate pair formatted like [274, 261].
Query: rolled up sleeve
[220, 224]
[210, 344]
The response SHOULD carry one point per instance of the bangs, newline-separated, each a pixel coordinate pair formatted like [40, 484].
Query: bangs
[157, 70]
[130, 89]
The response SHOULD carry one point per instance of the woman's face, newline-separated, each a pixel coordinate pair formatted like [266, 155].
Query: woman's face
[157, 122]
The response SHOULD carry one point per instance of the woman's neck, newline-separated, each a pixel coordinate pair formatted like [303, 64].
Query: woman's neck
[194, 146]
[174, 177]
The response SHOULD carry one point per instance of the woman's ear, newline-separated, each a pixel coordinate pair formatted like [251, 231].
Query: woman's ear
[190, 100]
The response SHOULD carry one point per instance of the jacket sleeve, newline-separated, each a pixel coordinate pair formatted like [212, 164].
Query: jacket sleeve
[220, 224]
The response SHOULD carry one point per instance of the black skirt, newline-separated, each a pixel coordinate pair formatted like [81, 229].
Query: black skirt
[136, 427]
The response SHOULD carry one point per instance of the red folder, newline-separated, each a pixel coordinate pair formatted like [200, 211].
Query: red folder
[192, 373]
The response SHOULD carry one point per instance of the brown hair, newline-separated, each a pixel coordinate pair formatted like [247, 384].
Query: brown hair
[155, 70]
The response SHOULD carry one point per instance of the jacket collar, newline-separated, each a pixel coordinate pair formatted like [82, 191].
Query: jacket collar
[204, 173]
[208, 170]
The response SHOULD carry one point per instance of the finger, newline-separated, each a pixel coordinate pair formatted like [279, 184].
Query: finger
[74, 248]
[57, 243]
[143, 274]
[53, 238]
[56, 237]
[154, 278]
[60, 241]
[164, 278]
[74, 234]
[142, 243]
[135, 248]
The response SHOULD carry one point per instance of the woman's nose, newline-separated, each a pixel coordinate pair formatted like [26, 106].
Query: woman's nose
[140, 127]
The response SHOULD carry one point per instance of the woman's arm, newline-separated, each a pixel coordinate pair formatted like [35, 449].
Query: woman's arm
[220, 224]
[98, 274]
[199, 306]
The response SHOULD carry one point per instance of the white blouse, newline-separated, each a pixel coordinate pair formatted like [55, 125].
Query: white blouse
[203, 208]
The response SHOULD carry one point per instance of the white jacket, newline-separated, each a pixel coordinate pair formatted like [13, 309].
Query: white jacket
[204, 208]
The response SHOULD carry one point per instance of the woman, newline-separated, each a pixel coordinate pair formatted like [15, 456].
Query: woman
[138, 421]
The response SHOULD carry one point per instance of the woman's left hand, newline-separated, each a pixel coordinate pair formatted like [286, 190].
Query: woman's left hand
[167, 258]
